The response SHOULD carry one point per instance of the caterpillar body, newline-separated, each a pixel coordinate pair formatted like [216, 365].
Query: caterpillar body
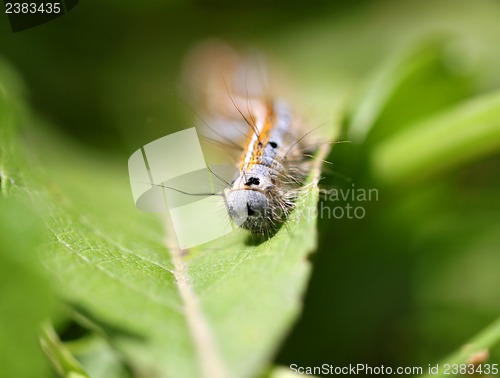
[274, 157]
[271, 172]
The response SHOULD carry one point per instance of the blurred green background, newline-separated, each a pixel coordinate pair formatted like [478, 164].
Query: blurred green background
[419, 275]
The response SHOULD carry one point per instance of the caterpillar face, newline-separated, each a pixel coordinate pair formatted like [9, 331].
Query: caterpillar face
[252, 199]
[263, 194]
[248, 208]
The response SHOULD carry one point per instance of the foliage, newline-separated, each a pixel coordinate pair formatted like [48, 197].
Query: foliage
[407, 284]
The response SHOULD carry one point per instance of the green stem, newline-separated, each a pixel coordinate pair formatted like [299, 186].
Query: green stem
[462, 134]
[63, 361]
[485, 340]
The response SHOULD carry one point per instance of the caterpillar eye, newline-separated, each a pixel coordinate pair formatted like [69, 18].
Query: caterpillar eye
[273, 144]
[252, 181]
[250, 211]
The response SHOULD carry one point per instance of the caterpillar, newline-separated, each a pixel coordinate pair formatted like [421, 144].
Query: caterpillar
[274, 158]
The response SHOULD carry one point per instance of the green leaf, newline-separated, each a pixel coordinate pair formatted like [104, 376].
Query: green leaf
[423, 71]
[26, 296]
[219, 310]
[464, 133]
